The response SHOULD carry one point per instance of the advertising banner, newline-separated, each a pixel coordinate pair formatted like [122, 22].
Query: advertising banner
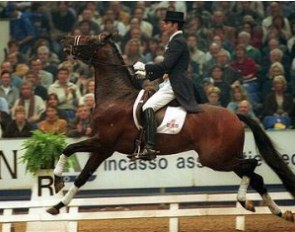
[117, 172]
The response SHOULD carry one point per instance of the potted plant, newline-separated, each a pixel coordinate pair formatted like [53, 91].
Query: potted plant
[42, 150]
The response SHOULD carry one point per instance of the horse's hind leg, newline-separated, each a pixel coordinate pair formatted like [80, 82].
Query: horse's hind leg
[249, 177]
[245, 170]
[257, 183]
[88, 145]
[92, 164]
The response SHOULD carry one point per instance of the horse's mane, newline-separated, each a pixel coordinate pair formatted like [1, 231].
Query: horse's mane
[129, 70]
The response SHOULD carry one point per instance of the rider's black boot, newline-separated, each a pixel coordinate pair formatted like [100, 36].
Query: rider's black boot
[150, 126]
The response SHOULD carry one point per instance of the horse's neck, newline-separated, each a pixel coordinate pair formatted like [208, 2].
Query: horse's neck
[113, 85]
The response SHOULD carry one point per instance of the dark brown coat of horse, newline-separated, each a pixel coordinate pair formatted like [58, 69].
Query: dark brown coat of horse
[216, 134]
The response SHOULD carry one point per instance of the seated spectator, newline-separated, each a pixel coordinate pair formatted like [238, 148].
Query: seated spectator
[13, 47]
[39, 90]
[230, 75]
[250, 26]
[245, 10]
[63, 19]
[245, 108]
[88, 16]
[211, 57]
[267, 23]
[121, 11]
[110, 15]
[89, 101]
[278, 106]
[7, 66]
[151, 52]
[248, 69]
[244, 38]
[49, 59]
[33, 104]
[46, 78]
[19, 127]
[213, 96]
[275, 69]
[73, 76]
[85, 27]
[278, 29]
[52, 123]
[145, 26]
[276, 55]
[133, 51]
[135, 34]
[238, 94]
[81, 125]
[218, 21]
[90, 86]
[53, 102]
[20, 71]
[218, 37]
[7, 90]
[196, 26]
[217, 75]
[207, 83]
[67, 92]
[197, 55]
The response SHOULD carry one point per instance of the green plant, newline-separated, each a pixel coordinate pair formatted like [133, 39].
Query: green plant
[42, 150]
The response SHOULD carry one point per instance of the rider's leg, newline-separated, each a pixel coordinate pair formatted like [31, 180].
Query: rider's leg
[161, 98]
[150, 127]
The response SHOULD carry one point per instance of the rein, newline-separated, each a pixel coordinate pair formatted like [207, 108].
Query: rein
[94, 61]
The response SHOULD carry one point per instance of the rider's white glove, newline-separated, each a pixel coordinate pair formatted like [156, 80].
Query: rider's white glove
[139, 66]
[140, 74]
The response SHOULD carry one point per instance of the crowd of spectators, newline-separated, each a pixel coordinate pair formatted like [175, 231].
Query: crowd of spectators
[242, 58]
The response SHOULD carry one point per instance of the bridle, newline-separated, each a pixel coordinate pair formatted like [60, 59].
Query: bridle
[76, 49]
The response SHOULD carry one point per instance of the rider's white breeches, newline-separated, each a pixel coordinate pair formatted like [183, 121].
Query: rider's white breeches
[161, 98]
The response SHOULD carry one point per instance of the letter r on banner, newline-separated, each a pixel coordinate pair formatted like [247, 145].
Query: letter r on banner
[47, 185]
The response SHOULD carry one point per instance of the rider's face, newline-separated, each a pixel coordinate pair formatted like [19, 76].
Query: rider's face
[170, 27]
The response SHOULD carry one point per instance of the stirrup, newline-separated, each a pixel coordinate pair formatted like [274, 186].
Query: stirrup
[148, 153]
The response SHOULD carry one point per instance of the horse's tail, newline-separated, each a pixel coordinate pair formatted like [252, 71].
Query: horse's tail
[269, 153]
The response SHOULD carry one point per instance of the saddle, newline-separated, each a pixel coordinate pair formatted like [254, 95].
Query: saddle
[143, 97]
[165, 124]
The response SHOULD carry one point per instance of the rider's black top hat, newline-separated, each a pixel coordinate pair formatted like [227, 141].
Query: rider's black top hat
[174, 16]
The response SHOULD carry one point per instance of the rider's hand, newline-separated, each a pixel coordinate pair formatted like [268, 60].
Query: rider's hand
[139, 66]
[140, 75]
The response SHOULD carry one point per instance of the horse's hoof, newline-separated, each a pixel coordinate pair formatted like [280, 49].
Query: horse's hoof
[248, 205]
[53, 211]
[58, 183]
[288, 216]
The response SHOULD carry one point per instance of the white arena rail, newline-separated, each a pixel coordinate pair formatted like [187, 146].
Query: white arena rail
[173, 212]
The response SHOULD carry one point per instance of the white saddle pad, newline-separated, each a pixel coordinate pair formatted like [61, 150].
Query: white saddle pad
[173, 120]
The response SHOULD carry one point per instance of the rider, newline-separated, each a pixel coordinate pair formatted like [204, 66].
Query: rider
[176, 84]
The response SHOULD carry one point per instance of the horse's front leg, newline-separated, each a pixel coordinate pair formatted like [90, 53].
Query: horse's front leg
[92, 164]
[88, 145]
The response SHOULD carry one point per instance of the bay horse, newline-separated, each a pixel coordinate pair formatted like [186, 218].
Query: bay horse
[216, 134]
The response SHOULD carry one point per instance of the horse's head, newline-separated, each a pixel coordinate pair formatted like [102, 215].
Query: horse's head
[101, 52]
[86, 47]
